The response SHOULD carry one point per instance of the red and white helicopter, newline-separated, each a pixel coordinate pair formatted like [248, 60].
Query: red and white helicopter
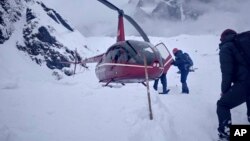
[130, 61]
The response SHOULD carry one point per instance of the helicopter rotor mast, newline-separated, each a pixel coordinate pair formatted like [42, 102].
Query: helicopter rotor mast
[121, 33]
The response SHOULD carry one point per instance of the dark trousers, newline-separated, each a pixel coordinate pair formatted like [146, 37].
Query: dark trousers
[163, 82]
[184, 75]
[237, 95]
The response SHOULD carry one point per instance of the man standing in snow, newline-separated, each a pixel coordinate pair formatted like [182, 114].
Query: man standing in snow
[234, 82]
[183, 65]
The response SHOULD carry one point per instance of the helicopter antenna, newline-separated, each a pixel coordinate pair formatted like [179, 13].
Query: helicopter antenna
[121, 36]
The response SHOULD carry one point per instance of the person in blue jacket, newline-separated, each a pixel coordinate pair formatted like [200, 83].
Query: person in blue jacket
[183, 65]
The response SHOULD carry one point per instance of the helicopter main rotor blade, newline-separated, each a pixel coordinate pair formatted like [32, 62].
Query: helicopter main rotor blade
[137, 27]
[110, 5]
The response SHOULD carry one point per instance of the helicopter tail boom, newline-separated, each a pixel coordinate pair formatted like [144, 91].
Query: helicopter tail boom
[94, 59]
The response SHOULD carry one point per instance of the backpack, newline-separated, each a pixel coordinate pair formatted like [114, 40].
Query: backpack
[242, 42]
[188, 60]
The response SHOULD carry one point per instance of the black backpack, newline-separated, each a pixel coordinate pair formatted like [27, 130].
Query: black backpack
[242, 42]
[188, 60]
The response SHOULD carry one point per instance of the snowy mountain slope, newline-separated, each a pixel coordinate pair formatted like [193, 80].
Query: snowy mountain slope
[45, 36]
[33, 106]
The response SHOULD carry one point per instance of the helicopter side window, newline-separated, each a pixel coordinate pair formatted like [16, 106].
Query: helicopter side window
[131, 60]
[110, 55]
[139, 49]
[116, 53]
[139, 58]
[123, 58]
[107, 57]
[120, 55]
[149, 55]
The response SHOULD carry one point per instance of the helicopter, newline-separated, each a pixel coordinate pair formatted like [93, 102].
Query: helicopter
[130, 61]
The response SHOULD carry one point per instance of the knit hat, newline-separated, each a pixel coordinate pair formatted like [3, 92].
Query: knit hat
[175, 50]
[226, 33]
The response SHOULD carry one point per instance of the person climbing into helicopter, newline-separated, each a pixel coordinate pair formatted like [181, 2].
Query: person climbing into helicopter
[163, 82]
[163, 79]
[183, 62]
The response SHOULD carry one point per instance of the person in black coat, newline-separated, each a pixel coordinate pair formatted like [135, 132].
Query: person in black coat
[183, 66]
[234, 84]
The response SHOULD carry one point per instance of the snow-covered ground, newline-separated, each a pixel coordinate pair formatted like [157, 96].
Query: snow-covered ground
[36, 107]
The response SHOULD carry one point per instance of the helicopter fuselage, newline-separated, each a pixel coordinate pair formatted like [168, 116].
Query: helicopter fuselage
[125, 62]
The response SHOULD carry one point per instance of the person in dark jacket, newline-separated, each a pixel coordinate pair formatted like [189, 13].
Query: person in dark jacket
[234, 84]
[163, 79]
[163, 82]
[183, 66]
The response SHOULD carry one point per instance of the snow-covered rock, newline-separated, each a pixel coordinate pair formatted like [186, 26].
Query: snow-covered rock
[10, 12]
[168, 10]
[46, 37]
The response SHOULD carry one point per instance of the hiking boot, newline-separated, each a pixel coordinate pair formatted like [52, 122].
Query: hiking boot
[223, 137]
[165, 92]
[185, 88]
[185, 92]
[155, 88]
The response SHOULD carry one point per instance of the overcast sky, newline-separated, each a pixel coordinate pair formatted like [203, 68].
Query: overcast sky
[80, 12]
[93, 18]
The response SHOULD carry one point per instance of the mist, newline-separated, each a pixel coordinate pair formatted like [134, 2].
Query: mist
[92, 18]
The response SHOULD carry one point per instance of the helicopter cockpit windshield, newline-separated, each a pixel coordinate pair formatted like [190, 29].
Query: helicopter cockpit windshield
[138, 50]
[132, 52]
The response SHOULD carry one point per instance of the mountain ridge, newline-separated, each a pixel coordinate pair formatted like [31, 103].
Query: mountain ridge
[46, 36]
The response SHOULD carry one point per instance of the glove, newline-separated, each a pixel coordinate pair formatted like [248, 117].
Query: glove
[172, 63]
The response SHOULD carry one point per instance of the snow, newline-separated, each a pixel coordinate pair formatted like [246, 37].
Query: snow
[72, 40]
[36, 107]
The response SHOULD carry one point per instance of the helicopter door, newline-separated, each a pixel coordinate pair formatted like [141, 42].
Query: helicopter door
[165, 54]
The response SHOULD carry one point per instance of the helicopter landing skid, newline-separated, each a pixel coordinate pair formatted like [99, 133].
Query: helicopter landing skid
[113, 86]
[144, 84]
